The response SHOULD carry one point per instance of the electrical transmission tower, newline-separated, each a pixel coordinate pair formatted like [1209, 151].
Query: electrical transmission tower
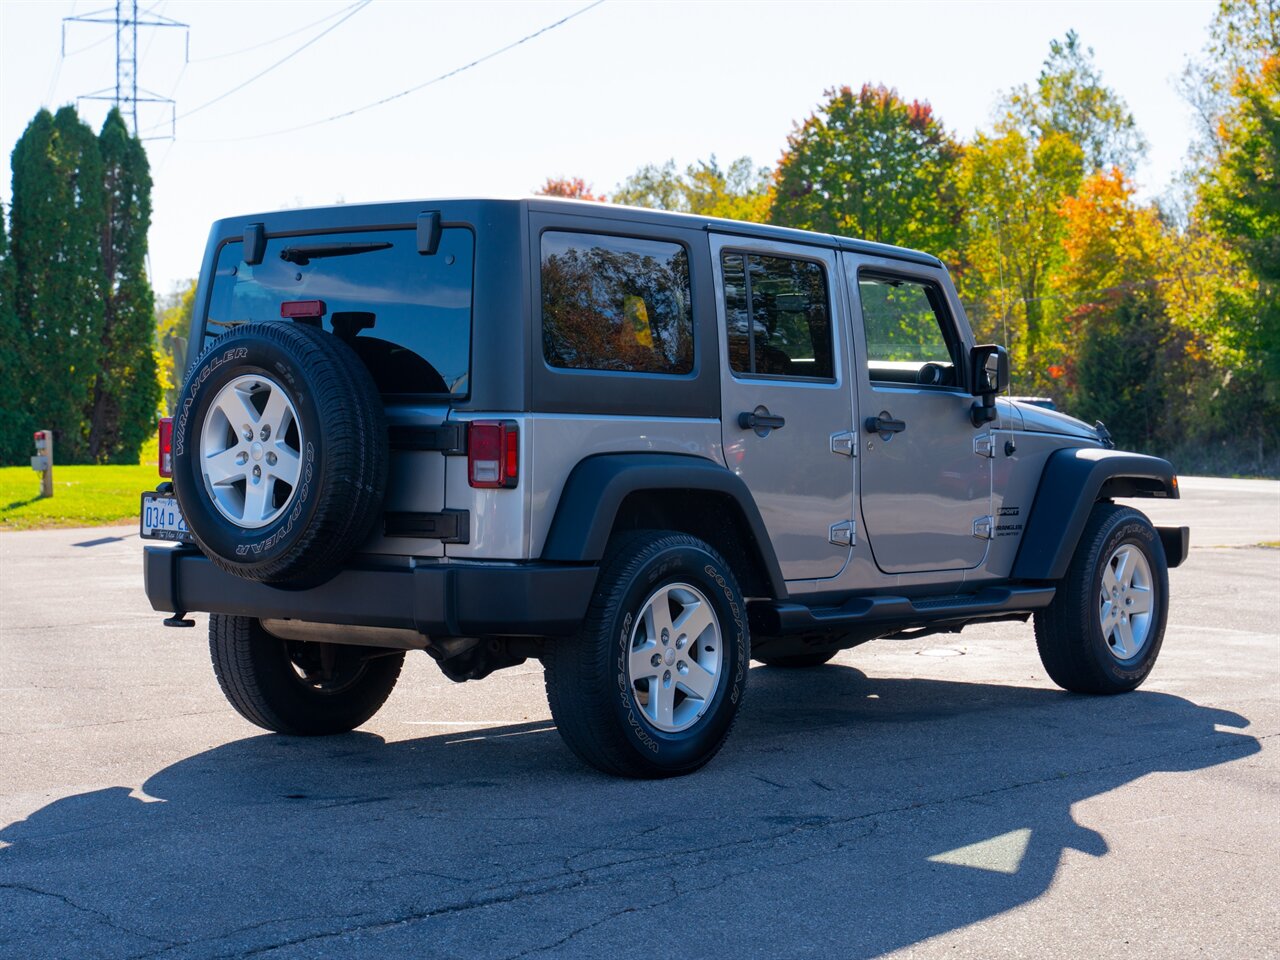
[127, 93]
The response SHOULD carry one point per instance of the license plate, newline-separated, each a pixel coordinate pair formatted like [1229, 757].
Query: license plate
[162, 519]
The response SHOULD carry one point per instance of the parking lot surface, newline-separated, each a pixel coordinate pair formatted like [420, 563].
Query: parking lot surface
[936, 797]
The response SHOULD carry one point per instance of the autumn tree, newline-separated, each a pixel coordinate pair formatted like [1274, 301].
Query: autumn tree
[173, 327]
[1013, 186]
[741, 191]
[1050, 135]
[121, 413]
[570, 188]
[1242, 195]
[1242, 34]
[56, 235]
[1070, 99]
[1241, 203]
[1120, 349]
[870, 164]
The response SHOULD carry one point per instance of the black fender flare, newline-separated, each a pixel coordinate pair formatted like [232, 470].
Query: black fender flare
[598, 485]
[1073, 481]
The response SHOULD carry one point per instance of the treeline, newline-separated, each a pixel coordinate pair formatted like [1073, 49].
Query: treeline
[1161, 319]
[77, 315]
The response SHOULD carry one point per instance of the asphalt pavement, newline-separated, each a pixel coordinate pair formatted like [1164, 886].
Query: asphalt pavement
[919, 798]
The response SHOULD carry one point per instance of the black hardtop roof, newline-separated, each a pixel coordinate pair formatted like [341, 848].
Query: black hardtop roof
[470, 209]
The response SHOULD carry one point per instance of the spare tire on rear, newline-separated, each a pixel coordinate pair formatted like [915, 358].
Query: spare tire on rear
[279, 452]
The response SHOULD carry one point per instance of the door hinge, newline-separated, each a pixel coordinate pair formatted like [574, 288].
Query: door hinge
[984, 445]
[845, 444]
[982, 528]
[844, 534]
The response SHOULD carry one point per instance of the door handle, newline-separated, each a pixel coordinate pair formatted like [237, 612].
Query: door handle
[884, 424]
[761, 421]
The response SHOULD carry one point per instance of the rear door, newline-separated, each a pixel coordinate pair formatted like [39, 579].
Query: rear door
[786, 400]
[925, 487]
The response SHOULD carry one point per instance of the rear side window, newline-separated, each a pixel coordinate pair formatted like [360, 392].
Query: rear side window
[616, 303]
[407, 316]
[778, 316]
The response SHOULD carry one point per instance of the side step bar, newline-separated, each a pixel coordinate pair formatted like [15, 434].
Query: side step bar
[776, 618]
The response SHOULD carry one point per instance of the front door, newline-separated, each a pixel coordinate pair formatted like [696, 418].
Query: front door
[786, 398]
[926, 489]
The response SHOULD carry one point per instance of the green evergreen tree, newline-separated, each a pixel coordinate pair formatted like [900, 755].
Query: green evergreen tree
[15, 422]
[121, 411]
[56, 235]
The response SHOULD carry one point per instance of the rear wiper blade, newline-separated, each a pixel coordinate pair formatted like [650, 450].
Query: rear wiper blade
[314, 251]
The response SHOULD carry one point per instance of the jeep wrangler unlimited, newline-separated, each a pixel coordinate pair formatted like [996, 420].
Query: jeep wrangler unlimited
[641, 447]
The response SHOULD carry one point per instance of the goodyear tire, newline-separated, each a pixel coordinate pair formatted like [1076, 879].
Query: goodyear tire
[279, 453]
[653, 682]
[1103, 630]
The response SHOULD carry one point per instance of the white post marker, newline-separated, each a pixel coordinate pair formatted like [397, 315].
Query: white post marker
[42, 462]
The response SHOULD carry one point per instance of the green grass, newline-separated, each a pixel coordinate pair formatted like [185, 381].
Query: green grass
[86, 496]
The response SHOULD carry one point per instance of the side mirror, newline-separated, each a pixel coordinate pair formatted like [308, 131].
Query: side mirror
[989, 375]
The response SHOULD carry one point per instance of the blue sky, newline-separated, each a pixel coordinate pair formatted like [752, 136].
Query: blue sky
[623, 84]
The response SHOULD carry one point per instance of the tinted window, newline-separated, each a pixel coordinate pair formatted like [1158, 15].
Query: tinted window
[778, 316]
[408, 316]
[616, 303]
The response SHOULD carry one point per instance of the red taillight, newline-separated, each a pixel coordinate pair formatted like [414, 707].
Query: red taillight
[165, 461]
[303, 309]
[493, 453]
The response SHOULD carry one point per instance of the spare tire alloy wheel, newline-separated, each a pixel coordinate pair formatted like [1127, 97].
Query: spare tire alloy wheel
[251, 451]
[279, 453]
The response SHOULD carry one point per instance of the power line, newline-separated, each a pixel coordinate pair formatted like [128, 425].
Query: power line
[414, 89]
[356, 8]
[283, 36]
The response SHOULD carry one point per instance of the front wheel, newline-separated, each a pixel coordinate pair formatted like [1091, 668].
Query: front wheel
[1103, 630]
[652, 683]
[290, 686]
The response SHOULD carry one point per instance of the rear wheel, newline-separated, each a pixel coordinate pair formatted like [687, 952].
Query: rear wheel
[1103, 631]
[652, 683]
[290, 686]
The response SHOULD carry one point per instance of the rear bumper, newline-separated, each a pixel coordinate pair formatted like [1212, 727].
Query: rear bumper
[437, 599]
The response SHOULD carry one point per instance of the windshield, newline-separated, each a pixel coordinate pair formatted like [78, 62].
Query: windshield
[407, 316]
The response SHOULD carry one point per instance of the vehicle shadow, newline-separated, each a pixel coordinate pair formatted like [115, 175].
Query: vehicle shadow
[849, 816]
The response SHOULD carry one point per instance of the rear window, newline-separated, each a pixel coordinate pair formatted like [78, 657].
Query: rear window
[406, 315]
[616, 303]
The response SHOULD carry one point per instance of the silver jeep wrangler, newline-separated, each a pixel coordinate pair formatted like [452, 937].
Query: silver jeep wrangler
[641, 447]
